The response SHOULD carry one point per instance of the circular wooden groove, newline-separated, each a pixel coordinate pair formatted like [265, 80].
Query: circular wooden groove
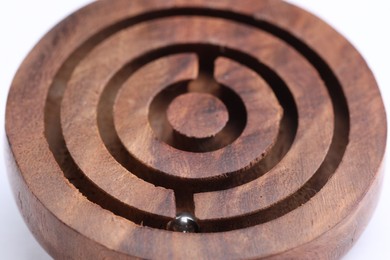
[248, 116]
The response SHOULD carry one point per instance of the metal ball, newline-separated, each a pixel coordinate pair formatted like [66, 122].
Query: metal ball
[185, 223]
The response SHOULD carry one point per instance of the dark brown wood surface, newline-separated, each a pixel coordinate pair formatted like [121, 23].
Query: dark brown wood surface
[254, 116]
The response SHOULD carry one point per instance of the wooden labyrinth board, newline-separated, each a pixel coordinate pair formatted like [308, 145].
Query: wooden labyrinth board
[251, 127]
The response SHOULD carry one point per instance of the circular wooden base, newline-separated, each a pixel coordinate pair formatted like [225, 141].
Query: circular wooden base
[251, 127]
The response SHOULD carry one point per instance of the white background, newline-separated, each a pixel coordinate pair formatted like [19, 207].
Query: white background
[23, 22]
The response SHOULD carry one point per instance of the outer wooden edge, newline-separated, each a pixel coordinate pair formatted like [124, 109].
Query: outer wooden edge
[345, 234]
[35, 214]
[47, 229]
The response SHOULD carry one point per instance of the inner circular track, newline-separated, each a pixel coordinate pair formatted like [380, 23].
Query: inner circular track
[319, 179]
[285, 137]
[231, 130]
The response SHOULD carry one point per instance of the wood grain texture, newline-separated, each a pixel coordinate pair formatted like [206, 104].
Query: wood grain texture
[197, 115]
[254, 116]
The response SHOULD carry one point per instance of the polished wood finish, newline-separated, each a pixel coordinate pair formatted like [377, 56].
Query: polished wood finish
[253, 116]
[197, 115]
